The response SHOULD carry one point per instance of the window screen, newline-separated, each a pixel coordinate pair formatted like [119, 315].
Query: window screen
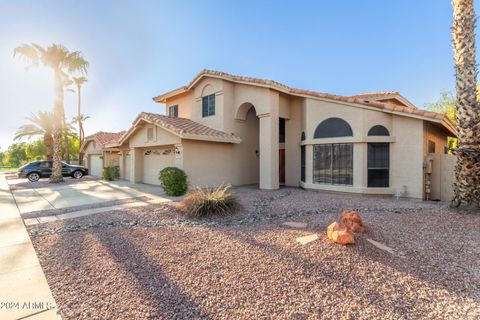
[378, 165]
[173, 111]
[333, 164]
[208, 105]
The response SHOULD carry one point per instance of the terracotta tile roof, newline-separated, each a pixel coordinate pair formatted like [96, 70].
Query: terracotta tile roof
[184, 128]
[356, 99]
[104, 138]
[377, 94]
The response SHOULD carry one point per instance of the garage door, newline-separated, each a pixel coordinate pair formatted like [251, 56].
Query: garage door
[95, 164]
[127, 167]
[153, 162]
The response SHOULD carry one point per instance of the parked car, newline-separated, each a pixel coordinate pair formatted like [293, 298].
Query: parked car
[35, 170]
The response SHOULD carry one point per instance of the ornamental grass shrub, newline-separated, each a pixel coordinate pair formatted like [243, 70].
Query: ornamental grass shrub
[173, 181]
[111, 173]
[210, 201]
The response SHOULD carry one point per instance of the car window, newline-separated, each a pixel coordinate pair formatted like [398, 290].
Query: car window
[45, 165]
[33, 165]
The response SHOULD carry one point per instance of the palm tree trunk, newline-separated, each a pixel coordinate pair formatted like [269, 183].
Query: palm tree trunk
[57, 129]
[80, 129]
[467, 170]
[47, 140]
[67, 143]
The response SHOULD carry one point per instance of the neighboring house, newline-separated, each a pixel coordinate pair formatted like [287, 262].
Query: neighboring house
[97, 154]
[222, 128]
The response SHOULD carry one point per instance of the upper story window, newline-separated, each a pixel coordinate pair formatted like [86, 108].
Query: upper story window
[208, 105]
[173, 111]
[332, 128]
[281, 130]
[378, 130]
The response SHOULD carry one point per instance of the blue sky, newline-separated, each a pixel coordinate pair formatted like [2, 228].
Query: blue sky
[139, 49]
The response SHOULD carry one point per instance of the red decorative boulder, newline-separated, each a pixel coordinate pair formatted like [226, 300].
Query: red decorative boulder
[338, 233]
[352, 221]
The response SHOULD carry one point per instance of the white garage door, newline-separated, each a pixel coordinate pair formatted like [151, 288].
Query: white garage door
[127, 167]
[154, 161]
[95, 165]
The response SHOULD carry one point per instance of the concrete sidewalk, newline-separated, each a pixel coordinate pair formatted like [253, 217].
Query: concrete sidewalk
[24, 291]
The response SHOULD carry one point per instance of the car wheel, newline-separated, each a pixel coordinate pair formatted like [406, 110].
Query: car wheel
[77, 174]
[33, 177]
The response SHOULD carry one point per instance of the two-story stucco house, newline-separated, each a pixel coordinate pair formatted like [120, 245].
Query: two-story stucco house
[222, 128]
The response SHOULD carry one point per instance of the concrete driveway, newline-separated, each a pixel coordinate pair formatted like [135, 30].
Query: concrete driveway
[47, 197]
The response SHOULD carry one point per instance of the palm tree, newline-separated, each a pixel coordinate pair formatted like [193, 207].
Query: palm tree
[79, 81]
[61, 61]
[467, 170]
[41, 125]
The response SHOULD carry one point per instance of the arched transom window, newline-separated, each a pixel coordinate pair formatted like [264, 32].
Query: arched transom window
[378, 130]
[333, 128]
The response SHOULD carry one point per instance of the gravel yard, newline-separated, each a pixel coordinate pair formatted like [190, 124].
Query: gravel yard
[153, 263]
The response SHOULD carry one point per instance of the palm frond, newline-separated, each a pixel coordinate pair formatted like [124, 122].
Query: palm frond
[28, 54]
[28, 130]
[74, 62]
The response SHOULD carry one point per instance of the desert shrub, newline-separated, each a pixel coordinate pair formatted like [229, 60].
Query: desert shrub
[111, 173]
[210, 201]
[174, 181]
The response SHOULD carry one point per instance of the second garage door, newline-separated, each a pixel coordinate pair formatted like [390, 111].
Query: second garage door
[153, 162]
[95, 165]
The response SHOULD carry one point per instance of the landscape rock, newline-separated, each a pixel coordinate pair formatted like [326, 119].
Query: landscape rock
[352, 221]
[338, 233]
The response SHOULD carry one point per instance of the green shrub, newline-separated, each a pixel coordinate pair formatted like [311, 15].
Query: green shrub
[210, 201]
[111, 173]
[174, 181]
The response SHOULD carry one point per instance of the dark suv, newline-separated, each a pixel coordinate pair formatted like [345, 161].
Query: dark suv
[33, 171]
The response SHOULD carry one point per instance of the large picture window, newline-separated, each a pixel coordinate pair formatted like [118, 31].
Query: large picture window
[378, 165]
[208, 105]
[333, 164]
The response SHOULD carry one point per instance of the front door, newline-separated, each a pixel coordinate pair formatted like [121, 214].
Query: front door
[281, 166]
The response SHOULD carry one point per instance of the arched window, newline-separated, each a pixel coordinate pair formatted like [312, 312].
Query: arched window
[378, 130]
[303, 136]
[332, 128]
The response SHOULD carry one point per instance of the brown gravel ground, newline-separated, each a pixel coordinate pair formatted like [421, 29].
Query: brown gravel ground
[152, 263]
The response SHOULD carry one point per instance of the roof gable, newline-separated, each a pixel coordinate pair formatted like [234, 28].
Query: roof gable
[181, 127]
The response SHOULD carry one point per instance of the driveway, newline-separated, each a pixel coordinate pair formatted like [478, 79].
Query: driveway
[47, 197]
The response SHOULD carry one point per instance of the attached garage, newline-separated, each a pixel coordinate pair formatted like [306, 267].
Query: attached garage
[95, 165]
[154, 161]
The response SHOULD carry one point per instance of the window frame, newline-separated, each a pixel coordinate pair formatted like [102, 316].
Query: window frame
[208, 105]
[175, 111]
[333, 127]
[372, 168]
[332, 178]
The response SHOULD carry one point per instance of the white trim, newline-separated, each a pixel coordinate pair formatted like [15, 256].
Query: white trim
[348, 189]
[367, 139]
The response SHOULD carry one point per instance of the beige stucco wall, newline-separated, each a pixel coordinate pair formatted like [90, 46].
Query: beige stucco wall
[439, 137]
[406, 156]
[160, 137]
[209, 164]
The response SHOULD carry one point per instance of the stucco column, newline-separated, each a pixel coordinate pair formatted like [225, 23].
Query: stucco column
[309, 163]
[136, 165]
[121, 164]
[269, 151]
